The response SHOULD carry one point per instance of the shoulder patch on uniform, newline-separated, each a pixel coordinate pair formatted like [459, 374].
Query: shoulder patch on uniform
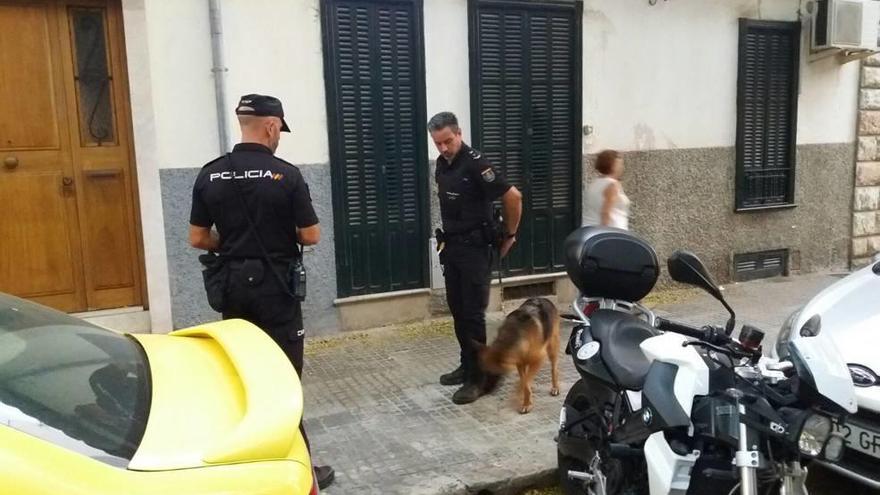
[488, 175]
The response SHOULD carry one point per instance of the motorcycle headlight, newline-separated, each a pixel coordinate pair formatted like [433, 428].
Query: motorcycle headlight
[834, 449]
[785, 335]
[814, 434]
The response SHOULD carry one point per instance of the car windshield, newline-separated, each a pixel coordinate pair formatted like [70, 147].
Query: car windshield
[71, 383]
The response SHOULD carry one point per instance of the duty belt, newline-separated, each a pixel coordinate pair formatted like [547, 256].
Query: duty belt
[473, 237]
[236, 261]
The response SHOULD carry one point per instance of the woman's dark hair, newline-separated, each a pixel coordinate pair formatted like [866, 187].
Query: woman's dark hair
[605, 161]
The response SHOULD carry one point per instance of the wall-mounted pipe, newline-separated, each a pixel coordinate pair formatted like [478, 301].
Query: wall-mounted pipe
[219, 70]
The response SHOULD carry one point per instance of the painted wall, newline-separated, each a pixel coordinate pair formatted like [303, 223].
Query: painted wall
[683, 199]
[664, 76]
[281, 55]
[278, 54]
[673, 67]
[147, 161]
[660, 84]
[179, 38]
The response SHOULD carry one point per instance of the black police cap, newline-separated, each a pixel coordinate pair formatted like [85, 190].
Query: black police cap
[262, 106]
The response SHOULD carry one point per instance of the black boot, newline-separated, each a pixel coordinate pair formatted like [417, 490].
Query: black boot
[325, 476]
[455, 377]
[468, 393]
[474, 385]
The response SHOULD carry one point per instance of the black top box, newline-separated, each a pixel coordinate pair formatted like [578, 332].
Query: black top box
[611, 263]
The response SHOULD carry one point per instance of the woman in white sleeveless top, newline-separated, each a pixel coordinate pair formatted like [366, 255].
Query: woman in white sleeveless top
[606, 202]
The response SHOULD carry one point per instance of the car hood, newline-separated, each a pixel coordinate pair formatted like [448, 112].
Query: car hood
[850, 313]
[859, 342]
[221, 393]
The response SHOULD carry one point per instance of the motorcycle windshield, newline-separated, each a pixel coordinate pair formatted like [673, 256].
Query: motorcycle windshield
[823, 373]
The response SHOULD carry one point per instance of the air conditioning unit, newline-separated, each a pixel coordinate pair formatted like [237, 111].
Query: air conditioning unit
[846, 24]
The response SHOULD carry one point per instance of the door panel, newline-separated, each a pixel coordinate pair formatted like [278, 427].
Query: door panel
[27, 80]
[40, 255]
[38, 223]
[103, 191]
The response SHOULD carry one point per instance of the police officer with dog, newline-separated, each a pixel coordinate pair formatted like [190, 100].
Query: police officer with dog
[467, 185]
[263, 213]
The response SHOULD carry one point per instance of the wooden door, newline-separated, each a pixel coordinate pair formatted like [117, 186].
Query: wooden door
[68, 231]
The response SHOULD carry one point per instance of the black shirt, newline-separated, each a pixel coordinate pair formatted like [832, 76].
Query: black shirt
[274, 191]
[466, 188]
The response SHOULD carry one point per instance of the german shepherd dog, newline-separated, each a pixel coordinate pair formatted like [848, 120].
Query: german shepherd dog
[527, 336]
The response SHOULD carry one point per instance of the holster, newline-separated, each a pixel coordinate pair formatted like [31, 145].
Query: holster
[215, 275]
[494, 230]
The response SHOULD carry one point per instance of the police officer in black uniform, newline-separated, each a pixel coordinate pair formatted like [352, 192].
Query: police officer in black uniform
[262, 209]
[467, 185]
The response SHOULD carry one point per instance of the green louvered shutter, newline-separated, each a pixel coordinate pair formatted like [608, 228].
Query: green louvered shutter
[526, 105]
[375, 93]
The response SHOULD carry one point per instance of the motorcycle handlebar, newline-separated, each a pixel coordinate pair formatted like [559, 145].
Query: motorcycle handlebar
[712, 335]
[681, 328]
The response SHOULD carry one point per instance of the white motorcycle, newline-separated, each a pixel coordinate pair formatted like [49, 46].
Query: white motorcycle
[667, 408]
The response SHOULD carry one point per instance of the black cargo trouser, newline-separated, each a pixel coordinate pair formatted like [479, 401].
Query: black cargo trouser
[255, 294]
[466, 271]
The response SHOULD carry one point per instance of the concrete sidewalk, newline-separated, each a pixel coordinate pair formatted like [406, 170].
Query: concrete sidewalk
[376, 412]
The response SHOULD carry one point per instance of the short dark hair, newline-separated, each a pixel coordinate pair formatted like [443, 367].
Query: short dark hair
[605, 161]
[443, 120]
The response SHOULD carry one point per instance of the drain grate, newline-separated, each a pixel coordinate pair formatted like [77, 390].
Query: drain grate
[763, 264]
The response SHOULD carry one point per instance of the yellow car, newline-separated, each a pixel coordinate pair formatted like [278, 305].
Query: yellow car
[213, 409]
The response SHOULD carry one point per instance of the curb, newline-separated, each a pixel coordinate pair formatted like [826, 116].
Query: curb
[510, 486]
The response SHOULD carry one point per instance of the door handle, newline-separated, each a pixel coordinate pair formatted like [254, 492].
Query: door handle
[67, 181]
[104, 172]
[10, 162]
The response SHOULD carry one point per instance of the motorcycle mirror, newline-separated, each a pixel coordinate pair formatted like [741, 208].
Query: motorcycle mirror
[686, 267]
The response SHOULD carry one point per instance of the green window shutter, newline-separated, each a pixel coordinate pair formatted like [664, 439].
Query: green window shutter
[767, 113]
[375, 93]
[552, 136]
[526, 103]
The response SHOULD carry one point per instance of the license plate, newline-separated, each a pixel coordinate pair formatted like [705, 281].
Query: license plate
[860, 439]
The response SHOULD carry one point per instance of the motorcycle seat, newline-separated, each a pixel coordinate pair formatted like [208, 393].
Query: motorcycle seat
[620, 334]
